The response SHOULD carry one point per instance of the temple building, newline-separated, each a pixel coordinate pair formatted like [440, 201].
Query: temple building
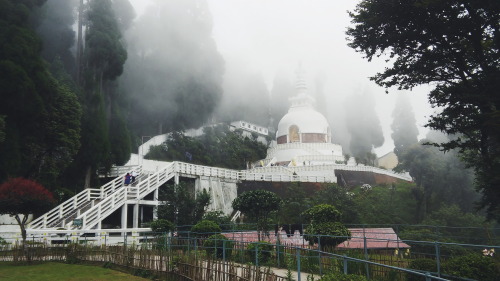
[303, 136]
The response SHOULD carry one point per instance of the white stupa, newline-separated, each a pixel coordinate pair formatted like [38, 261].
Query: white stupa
[303, 136]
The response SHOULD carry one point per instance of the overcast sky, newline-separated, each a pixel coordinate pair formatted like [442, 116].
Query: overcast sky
[267, 36]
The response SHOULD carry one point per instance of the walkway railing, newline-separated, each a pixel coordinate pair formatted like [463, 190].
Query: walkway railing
[56, 217]
[380, 265]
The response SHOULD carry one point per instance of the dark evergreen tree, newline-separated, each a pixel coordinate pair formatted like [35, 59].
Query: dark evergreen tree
[404, 127]
[454, 46]
[363, 125]
[54, 24]
[174, 72]
[105, 136]
[42, 117]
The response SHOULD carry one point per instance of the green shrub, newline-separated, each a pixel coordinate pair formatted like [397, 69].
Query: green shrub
[339, 276]
[426, 265]
[220, 218]
[205, 228]
[336, 229]
[264, 250]
[217, 243]
[474, 266]
[322, 213]
[3, 242]
[161, 226]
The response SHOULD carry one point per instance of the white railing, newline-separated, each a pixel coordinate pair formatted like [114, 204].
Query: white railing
[65, 209]
[75, 203]
[116, 199]
[114, 194]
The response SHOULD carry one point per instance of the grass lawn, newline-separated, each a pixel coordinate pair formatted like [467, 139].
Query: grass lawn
[60, 271]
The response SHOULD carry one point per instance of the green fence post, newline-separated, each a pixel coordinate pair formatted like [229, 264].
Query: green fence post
[428, 276]
[367, 267]
[189, 240]
[278, 250]
[257, 254]
[298, 263]
[196, 249]
[438, 258]
[223, 250]
[168, 243]
[319, 256]
[345, 265]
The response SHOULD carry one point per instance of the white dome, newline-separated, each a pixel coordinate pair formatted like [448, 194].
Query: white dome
[306, 118]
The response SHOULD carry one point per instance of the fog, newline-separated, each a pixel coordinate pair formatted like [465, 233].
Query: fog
[261, 40]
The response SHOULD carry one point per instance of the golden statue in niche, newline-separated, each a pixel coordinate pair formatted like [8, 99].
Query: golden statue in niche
[293, 132]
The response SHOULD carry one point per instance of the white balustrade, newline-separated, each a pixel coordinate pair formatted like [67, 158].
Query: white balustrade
[114, 194]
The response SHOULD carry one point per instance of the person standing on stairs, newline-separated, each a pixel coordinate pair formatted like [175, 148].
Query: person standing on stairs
[128, 177]
[133, 174]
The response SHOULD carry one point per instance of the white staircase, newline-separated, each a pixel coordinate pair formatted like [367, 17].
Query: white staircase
[64, 214]
[92, 206]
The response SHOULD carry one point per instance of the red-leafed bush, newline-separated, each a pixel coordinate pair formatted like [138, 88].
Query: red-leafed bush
[20, 196]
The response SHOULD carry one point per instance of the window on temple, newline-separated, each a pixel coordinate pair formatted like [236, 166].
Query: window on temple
[293, 133]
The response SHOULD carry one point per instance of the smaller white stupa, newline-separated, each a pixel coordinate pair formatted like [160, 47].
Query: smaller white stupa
[303, 137]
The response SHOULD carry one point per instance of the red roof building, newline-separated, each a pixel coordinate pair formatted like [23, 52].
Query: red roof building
[376, 238]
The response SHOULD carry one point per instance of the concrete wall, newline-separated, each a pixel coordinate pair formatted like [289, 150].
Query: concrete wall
[223, 192]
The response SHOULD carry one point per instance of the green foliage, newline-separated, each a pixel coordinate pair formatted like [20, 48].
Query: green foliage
[437, 176]
[322, 214]
[338, 232]
[426, 265]
[219, 218]
[205, 228]
[258, 205]
[181, 206]
[161, 226]
[324, 220]
[295, 201]
[461, 60]
[404, 126]
[342, 198]
[41, 137]
[218, 146]
[338, 276]
[474, 266]
[264, 250]
[104, 51]
[216, 244]
[385, 204]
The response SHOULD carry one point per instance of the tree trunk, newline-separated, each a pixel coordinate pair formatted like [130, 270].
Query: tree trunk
[22, 225]
[87, 177]
[79, 44]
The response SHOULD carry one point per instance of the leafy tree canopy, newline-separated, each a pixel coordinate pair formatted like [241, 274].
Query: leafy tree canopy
[205, 228]
[453, 45]
[324, 219]
[218, 146]
[20, 197]
[181, 206]
[258, 205]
